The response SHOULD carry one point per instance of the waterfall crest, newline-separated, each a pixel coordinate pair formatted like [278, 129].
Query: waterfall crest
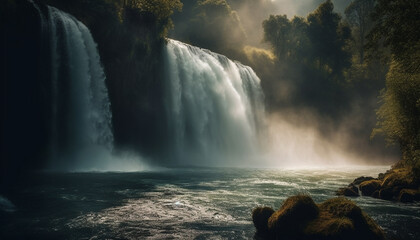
[214, 105]
[80, 110]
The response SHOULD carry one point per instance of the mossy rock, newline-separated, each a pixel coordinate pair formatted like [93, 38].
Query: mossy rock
[401, 178]
[290, 220]
[386, 193]
[343, 219]
[260, 216]
[300, 218]
[359, 180]
[348, 191]
[341, 207]
[369, 187]
[409, 195]
[395, 184]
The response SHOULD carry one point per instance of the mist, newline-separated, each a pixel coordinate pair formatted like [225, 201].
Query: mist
[315, 114]
[295, 139]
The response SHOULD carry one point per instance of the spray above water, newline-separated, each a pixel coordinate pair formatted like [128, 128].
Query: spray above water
[215, 107]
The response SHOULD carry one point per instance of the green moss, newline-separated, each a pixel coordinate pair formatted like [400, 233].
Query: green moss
[364, 226]
[290, 220]
[329, 227]
[398, 177]
[341, 207]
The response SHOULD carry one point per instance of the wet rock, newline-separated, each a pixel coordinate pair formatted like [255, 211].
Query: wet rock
[369, 187]
[348, 191]
[409, 195]
[359, 180]
[375, 194]
[260, 216]
[386, 193]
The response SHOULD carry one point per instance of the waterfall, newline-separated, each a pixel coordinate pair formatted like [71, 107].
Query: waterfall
[214, 107]
[80, 108]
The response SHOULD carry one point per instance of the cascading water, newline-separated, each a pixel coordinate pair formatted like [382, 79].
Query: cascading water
[214, 105]
[80, 115]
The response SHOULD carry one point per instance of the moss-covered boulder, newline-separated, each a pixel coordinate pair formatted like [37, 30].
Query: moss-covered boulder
[260, 216]
[290, 220]
[335, 219]
[369, 187]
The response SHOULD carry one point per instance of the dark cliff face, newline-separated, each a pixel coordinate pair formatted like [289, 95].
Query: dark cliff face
[24, 97]
[130, 48]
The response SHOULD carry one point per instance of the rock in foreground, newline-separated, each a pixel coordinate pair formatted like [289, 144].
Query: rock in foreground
[300, 218]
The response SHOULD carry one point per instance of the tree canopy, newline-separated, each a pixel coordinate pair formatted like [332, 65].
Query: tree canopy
[397, 27]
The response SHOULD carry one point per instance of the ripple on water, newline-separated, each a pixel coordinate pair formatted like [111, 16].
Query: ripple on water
[193, 204]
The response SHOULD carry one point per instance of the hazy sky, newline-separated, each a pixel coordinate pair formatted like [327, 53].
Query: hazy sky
[252, 14]
[303, 7]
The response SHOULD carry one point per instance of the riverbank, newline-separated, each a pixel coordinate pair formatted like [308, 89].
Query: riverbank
[397, 184]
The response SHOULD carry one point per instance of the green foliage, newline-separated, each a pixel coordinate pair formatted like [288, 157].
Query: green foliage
[316, 48]
[288, 38]
[160, 8]
[329, 37]
[397, 27]
[211, 24]
[358, 14]
[399, 114]
[319, 40]
[159, 11]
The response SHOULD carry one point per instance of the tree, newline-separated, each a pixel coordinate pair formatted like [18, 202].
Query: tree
[329, 36]
[288, 38]
[397, 27]
[154, 12]
[399, 114]
[358, 14]
[214, 25]
[277, 30]
[314, 55]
